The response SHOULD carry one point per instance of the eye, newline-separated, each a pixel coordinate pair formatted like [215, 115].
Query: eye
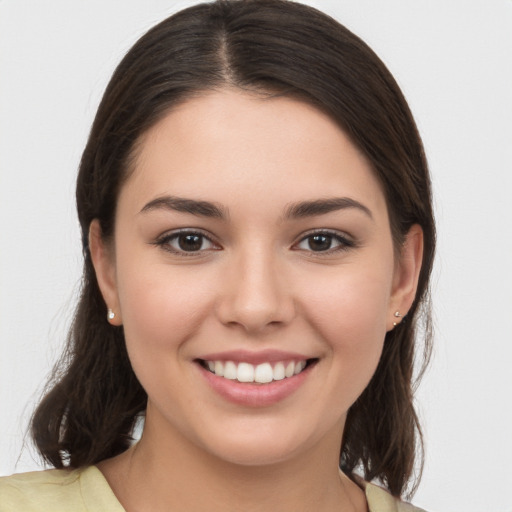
[186, 242]
[324, 241]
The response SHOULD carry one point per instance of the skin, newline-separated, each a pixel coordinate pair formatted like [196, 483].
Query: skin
[257, 285]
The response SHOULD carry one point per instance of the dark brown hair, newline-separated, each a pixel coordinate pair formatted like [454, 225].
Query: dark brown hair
[271, 47]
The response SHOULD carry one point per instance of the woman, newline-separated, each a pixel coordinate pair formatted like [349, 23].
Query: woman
[258, 238]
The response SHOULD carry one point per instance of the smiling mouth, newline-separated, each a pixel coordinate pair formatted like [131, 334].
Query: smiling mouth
[263, 373]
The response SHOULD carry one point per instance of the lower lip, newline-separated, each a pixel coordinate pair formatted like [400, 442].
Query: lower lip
[255, 395]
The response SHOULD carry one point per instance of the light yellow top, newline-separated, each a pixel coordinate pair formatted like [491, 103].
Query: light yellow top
[86, 490]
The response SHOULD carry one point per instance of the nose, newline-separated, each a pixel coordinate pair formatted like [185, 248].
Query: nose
[255, 294]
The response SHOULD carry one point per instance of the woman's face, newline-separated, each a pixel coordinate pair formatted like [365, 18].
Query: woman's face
[251, 240]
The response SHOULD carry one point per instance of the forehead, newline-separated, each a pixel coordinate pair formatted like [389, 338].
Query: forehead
[228, 145]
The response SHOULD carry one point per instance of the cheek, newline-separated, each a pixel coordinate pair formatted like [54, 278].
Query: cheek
[350, 313]
[162, 310]
[161, 306]
[350, 303]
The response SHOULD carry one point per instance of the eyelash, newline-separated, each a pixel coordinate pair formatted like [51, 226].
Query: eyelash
[164, 241]
[344, 243]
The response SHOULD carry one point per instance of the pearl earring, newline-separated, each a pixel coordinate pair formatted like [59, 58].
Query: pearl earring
[397, 315]
[110, 314]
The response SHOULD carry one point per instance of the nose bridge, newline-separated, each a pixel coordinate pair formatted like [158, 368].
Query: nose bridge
[258, 294]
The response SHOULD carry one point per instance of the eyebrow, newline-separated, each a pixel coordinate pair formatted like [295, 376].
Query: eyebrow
[298, 210]
[192, 206]
[323, 206]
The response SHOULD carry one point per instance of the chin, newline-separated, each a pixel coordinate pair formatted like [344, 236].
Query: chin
[255, 454]
[265, 444]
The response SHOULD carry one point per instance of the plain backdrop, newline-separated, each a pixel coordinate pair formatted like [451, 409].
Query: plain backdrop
[453, 59]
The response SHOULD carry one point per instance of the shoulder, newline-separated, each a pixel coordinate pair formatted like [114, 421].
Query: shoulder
[379, 500]
[57, 490]
[40, 490]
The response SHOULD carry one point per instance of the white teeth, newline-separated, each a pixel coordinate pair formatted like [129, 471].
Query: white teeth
[299, 367]
[219, 369]
[262, 373]
[245, 372]
[279, 371]
[230, 370]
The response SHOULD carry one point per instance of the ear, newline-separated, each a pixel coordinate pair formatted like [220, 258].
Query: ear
[405, 279]
[104, 265]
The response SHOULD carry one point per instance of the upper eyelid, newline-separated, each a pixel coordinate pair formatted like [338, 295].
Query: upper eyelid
[179, 231]
[319, 231]
[167, 236]
[345, 241]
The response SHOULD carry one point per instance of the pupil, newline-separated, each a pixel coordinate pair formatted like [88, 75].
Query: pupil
[190, 242]
[320, 242]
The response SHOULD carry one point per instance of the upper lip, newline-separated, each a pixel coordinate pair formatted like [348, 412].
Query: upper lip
[262, 356]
